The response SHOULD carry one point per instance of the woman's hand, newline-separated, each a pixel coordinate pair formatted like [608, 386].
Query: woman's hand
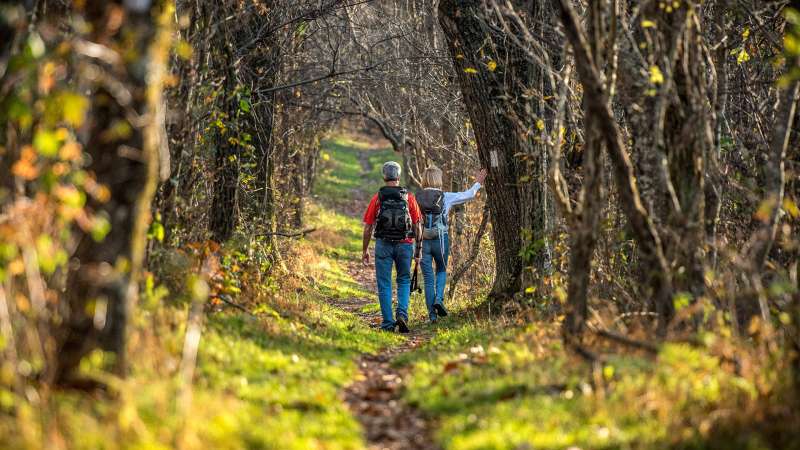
[365, 258]
[480, 176]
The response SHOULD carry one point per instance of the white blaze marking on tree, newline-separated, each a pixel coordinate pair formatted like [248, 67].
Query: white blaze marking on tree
[493, 157]
[139, 6]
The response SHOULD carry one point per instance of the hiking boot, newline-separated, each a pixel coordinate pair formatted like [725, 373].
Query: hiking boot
[402, 326]
[439, 308]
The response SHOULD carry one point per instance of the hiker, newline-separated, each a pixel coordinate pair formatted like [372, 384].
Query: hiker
[394, 216]
[435, 206]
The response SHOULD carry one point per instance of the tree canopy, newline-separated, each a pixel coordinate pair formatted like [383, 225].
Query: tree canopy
[182, 185]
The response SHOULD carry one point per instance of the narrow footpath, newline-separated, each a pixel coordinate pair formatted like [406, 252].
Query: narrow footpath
[375, 398]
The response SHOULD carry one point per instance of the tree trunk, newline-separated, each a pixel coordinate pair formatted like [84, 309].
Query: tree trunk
[224, 206]
[128, 166]
[688, 141]
[264, 137]
[584, 235]
[492, 98]
[598, 106]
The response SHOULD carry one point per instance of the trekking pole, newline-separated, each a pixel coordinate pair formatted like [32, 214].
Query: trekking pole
[415, 280]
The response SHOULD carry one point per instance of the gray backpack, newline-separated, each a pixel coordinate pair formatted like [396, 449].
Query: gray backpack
[434, 223]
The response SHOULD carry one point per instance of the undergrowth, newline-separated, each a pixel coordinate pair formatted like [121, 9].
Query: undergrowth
[269, 378]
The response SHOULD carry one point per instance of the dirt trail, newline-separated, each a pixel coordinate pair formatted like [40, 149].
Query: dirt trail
[376, 397]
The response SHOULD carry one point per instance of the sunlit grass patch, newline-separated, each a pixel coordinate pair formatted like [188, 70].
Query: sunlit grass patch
[507, 387]
[371, 308]
[343, 170]
[336, 228]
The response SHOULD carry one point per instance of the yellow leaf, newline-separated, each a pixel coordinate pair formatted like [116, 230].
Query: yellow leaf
[648, 24]
[16, 267]
[540, 124]
[184, 49]
[742, 57]
[791, 207]
[656, 77]
[746, 33]
[74, 107]
[470, 70]
[764, 212]
[791, 44]
[491, 65]
[46, 143]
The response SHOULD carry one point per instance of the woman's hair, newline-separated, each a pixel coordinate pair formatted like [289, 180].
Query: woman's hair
[432, 177]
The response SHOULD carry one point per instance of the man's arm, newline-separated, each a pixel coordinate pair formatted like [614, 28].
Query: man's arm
[367, 236]
[416, 215]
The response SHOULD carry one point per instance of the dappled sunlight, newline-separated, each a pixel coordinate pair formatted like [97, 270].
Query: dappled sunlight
[199, 200]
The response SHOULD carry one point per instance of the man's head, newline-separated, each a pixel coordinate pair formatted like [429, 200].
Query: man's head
[391, 171]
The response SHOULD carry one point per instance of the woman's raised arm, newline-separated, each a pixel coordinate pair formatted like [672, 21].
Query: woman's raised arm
[457, 198]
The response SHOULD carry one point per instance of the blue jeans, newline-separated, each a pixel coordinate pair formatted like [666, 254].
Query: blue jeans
[399, 254]
[435, 250]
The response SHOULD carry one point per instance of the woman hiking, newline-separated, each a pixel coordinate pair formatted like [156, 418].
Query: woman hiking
[435, 206]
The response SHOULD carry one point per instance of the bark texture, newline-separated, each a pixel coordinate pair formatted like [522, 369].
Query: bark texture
[516, 182]
[106, 276]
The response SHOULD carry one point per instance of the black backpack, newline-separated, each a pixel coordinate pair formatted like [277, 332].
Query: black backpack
[394, 218]
[431, 202]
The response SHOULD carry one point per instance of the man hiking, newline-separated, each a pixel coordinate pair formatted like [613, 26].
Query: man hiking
[394, 217]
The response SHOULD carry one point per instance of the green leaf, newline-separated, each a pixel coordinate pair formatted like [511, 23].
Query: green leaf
[681, 300]
[244, 105]
[301, 28]
[792, 16]
[19, 111]
[50, 257]
[36, 45]
[156, 231]
[100, 228]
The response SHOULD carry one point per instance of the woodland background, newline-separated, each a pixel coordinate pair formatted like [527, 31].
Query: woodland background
[180, 184]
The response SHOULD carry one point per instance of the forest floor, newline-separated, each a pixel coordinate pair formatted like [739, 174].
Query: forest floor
[306, 367]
